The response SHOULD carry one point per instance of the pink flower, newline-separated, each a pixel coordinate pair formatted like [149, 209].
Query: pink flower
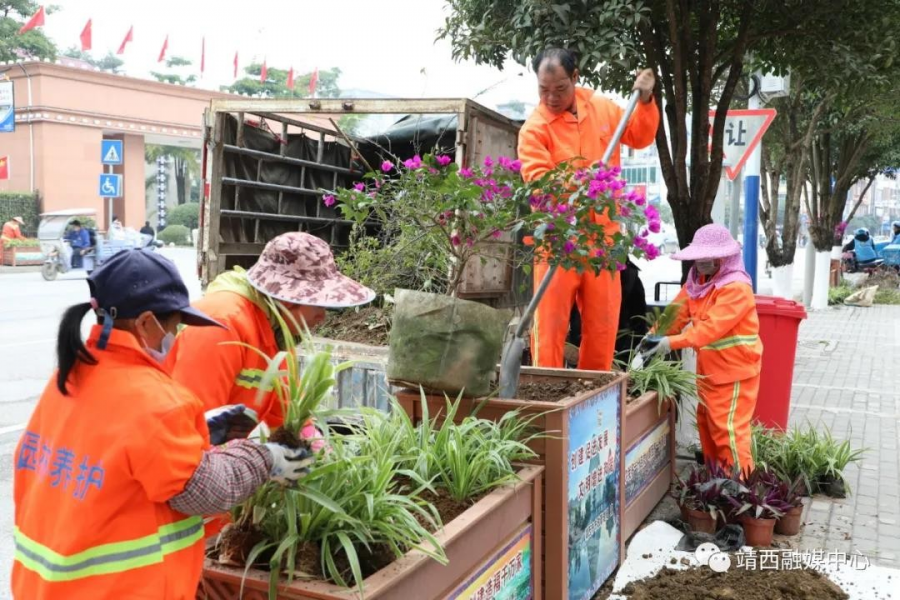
[470, 242]
[619, 266]
[466, 173]
[496, 233]
[359, 187]
[652, 251]
[432, 170]
[328, 200]
[444, 160]
[488, 162]
[413, 163]
[651, 213]
[580, 175]
[654, 226]
[624, 211]
[569, 248]
[550, 226]
[454, 239]
[504, 162]
[644, 233]
[599, 253]
[387, 166]
[515, 166]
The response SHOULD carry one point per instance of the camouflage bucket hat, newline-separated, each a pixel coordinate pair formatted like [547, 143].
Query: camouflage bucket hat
[299, 268]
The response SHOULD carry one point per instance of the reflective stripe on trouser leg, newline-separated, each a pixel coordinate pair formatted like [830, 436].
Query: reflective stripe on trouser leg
[730, 408]
[732, 438]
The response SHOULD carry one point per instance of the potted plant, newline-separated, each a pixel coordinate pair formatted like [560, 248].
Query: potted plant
[447, 344]
[706, 495]
[758, 507]
[790, 522]
[20, 253]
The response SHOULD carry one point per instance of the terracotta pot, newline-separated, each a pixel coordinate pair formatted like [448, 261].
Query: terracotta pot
[790, 523]
[685, 513]
[758, 532]
[701, 522]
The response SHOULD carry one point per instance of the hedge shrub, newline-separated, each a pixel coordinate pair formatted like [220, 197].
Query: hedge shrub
[21, 204]
[175, 234]
[187, 215]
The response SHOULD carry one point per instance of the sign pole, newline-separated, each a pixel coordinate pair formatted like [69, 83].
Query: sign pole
[751, 204]
[109, 204]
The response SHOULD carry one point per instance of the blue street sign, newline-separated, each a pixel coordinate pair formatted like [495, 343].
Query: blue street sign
[7, 107]
[111, 152]
[110, 185]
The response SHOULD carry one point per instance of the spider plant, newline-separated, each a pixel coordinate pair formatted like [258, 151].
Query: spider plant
[662, 321]
[668, 378]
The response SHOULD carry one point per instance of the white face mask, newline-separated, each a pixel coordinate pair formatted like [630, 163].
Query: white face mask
[165, 346]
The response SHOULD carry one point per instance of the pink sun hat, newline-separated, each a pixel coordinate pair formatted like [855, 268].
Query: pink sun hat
[710, 241]
[299, 268]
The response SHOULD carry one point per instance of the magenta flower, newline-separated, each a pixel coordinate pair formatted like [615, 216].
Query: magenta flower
[359, 187]
[444, 160]
[619, 266]
[599, 253]
[328, 200]
[655, 226]
[640, 200]
[488, 162]
[569, 247]
[651, 213]
[387, 166]
[454, 239]
[433, 171]
[652, 251]
[624, 211]
[496, 233]
[470, 242]
[515, 166]
[504, 162]
[466, 173]
[550, 226]
[413, 163]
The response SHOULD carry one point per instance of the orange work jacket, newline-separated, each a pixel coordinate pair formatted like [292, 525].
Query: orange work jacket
[92, 477]
[221, 373]
[12, 231]
[724, 332]
[547, 140]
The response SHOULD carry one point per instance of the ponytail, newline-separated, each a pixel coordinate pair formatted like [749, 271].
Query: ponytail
[69, 347]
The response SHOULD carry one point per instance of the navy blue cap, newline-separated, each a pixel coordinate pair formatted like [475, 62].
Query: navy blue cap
[135, 281]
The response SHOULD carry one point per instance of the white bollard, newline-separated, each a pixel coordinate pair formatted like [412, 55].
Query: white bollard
[820, 287]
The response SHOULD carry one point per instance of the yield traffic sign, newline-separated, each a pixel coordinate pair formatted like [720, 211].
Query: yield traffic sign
[111, 152]
[743, 131]
[110, 185]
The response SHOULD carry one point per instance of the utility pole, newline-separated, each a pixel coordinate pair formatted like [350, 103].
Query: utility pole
[751, 203]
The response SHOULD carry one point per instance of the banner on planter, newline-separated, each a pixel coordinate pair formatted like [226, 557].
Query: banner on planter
[645, 459]
[506, 576]
[593, 492]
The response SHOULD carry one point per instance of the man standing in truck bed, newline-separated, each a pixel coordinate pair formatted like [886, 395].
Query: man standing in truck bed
[571, 123]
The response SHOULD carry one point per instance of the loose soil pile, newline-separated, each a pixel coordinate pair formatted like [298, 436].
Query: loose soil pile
[554, 391]
[369, 325]
[736, 584]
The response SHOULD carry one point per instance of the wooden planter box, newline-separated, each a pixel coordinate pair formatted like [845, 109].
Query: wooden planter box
[22, 256]
[583, 539]
[491, 544]
[649, 442]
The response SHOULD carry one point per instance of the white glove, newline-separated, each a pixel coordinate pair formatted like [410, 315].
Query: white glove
[663, 347]
[289, 464]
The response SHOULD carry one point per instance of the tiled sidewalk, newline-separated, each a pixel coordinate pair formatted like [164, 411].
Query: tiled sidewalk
[847, 377]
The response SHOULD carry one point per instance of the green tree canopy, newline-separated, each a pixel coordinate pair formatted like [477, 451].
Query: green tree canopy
[110, 62]
[178, 74]
[31, 44]
[275, 85]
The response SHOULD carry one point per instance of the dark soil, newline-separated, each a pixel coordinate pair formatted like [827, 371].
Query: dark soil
[309, 560]
[370, 325]
[236, 543]
[285, 438]
[736, 584]
[447, 507]
[554, 391]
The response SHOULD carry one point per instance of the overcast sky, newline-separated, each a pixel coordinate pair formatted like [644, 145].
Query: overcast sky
[379, 46]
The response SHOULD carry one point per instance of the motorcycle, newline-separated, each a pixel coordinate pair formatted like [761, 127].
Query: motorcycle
[849, 264]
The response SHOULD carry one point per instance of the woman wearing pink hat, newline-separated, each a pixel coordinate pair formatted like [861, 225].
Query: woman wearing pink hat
[718, 302]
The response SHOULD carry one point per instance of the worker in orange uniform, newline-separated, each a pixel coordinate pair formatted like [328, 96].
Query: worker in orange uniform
[718, 302]
[115, 468]
[574, 125]
[12, 230]
[296, 271]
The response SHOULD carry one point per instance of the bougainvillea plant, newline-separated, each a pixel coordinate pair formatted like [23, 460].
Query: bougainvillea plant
[577, 218]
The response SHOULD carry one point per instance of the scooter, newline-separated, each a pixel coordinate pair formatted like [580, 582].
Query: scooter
[849, 264]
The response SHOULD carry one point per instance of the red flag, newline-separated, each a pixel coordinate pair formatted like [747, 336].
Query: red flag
[203, 57]
[37, 20]
[86, 37]
[4, 168]
[290, 81]
[264, 73]
[129, 37]
[162, 52]
[313, 81]
[235, 64]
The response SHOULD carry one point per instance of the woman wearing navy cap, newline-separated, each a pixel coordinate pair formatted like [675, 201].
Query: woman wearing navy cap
[115, 467]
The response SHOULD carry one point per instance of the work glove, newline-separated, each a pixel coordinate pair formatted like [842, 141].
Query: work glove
[226, 423]
[660, 346]
[289, 464]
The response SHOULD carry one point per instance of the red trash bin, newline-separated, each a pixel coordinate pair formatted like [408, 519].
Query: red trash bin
[779, 320]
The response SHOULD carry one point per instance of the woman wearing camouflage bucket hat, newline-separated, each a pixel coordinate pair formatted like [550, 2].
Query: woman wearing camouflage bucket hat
[297, 271]
[718, 302]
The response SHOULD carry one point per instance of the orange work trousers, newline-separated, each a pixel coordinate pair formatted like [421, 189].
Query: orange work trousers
[599, 298]
[724, 422]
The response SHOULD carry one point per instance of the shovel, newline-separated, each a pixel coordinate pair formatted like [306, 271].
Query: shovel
[511, 360]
